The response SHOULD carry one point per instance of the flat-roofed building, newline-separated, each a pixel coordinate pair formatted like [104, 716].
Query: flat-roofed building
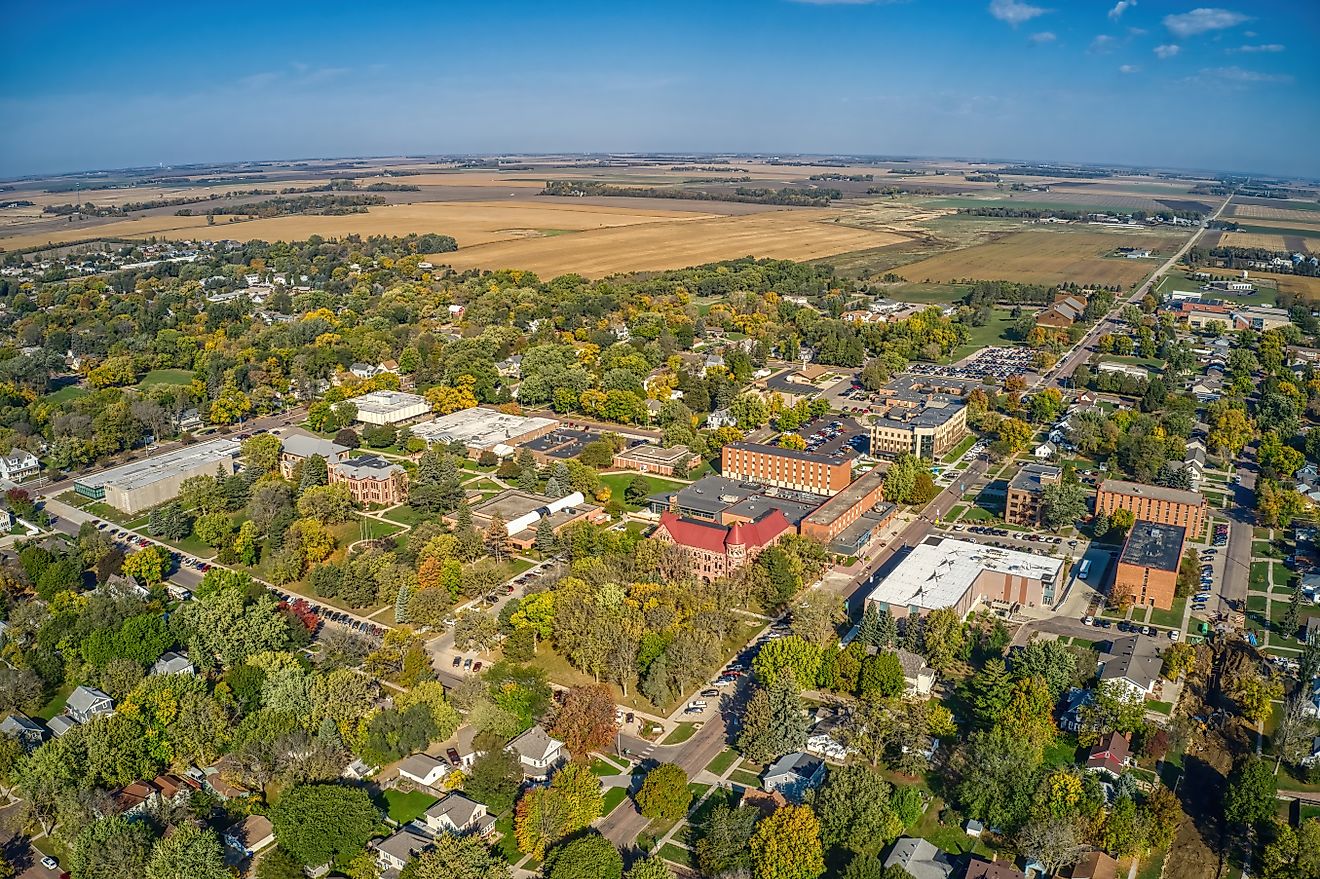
[786, 468]
[389, 407]
[141, 485]
[647, 458]
[524, 512]
[371, 480]
[1260, 318]
[917, 422]
[1025, 489]
[484, 430]
[943, 572]
[1147, 571]
[861, 502]
[1153, 503]
[714, 551]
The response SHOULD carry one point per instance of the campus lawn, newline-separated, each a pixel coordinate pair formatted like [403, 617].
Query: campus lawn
[1265, 549]
[618, 485]
[1260, 577]
[1170, 619]
[977, 514]
[994, 333]
[407, 515]
[961, 449]
[402, 807]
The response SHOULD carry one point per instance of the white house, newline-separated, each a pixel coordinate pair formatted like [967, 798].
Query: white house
[458, 814]
[537, 751]
[1134, 663]
[424, 769]
[1045, 451]
[18, 464]
[397, 851]
[173, 664]
[919, 677]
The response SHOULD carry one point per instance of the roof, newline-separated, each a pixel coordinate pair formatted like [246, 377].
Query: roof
[711, 494]
[171, 663]
[1095, 865]
[251, 830]
[920, 858]
[1152, 545]
[715, 538]
[60, 724]
[794, 454]
[84, 697]
[1034, 477]
[420, 765]
[148, 471]
[1110, 753]
[829, 512]
[938, 572]
[457, 808]
[480, 428]
[913, 665]
[649, 454]
[387, 402]
[1135, 658]
[1157, 492]
[302, 445]
[758, 505]
[405, 844]
[367, 467]
[979, 869]
[18, 723]
[799, 764]
[535, 744]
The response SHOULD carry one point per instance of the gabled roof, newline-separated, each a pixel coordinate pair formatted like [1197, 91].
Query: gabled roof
[797, 764]
[420, 765]
[457, 808]
[979, 869]
[83, 698]
[18, 724]
[1135, 658]
[535, 744]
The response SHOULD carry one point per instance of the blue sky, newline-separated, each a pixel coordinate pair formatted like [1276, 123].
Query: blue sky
[105, 85]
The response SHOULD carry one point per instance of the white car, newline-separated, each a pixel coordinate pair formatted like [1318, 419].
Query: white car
[1173, 635]
[50, 863]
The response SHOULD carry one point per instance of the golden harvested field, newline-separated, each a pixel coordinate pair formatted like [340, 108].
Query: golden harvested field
[1300, 285]
[795, 234]
[1262, 212]
[1048, 257]
[1252, 239]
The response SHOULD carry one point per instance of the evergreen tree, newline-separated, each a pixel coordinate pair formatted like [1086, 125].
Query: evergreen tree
[314, 472]
[888, 630]
[546, 542]
[1292, 616]
[773, 724]
[401, 603]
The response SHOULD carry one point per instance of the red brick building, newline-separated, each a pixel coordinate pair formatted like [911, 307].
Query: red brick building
[371, 480]
[715, 551]
[785, 468]
[1154, 503]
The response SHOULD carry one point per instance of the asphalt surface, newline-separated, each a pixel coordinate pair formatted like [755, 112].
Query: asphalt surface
[1237, 572]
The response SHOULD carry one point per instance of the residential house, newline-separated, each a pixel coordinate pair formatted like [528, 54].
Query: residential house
[1110, 755]
[537, 751]
[1070, 720]
[1045, 451]
[917, 676]
[458, 814]
[249, 836]
[981, 869]
[135, 799]
[920, 859]
[794, 774]
[28, 732]
[126, 584]
[1134, 662]
[1095, 865]
[173, 663]
[395, 852]
[18, 464]
[423, 769]
[85, 702]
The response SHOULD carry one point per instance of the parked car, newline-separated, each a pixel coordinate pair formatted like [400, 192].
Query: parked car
[476, 666]
[467, 663]
[454, 759]
[712, 694]
[458, 660]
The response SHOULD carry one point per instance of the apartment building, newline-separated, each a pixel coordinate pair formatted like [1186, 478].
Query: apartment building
[1147, 572]
[1025, 490]
[786, 468]
[1153, 503]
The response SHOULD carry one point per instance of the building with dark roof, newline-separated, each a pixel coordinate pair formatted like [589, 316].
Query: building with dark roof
[1153, 503]
[1147, 570]
[1134, 662]
[371, 480]
[786, 468]
[714, 551]
[921, 423]
[1025, 490]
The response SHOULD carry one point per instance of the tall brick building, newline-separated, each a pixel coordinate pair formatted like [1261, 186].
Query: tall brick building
[1153, 503]
[1025, 489]
[715, 551]
[786, 468]
[1147, 572]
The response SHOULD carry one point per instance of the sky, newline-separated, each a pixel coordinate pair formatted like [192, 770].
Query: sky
[98, 85]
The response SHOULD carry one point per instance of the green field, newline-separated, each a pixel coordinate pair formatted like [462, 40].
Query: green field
[167, 377]
[993, 333]
[723, 760]
[618, 484]
[402, 807]
[676, 854]
[1260, 576]
[63, 395]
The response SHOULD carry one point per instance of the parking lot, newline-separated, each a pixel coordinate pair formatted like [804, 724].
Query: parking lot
[829, 435]
[996, 363]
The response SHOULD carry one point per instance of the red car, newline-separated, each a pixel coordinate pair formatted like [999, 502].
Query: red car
[452, 754]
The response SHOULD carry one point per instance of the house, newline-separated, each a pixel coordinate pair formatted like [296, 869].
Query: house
[423, 769]
[537, 751]
[720, 418]
[1045, 451]
[28, 732]
[249, 836]
[60, 724]
[173, 664]
[919, 677]
[135, 798]
[1134, 662]
[973, 828]
[1110, 755]
[364, 370]
[919, 858]
[126, 584]
[1095, 865]
[397, 851]
[18, 464]
[467, 750]
[458, 814]
[1070, 720]
[980, 869]
[794, 774]
[87, 702]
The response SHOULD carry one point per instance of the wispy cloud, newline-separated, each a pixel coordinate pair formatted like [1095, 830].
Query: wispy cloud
[1203, 20]
[1265, 47]
[1014, 11]
[1129, 68]
[1120, 7]
[1238, 76]
[1102, 43]
[1168, 50]
[1043, 37]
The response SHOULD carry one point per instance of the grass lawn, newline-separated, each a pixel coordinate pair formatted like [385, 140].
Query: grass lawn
[977, 514]
[676, 854]
[745, 778]
[618, 484]
[959, 450]
[1171, 618]
[402, 807]
[613, 797]
[1152, 866]
[950, 839]
[1265, 549]
[192, 546]
[377, 528]
[406, 515]
[56, 703]
[1257, 603]
[507, 846]
[1260, 576]
[601, 766]
[65, 394]
[1281, 576]
[167, 377]
[681, 734]
[723, 760]
[955, 511]
[1165, 708]
[1062, 752]
[993, 333]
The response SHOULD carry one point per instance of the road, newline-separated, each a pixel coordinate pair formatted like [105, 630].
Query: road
[1237, 571]
[1063, 370]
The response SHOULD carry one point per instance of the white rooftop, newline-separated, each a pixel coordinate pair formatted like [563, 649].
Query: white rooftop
[387, 402]
[938, 573]
[479, 428]
[139, 473]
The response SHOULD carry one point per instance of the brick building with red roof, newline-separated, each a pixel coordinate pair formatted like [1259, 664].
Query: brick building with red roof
[716, 551]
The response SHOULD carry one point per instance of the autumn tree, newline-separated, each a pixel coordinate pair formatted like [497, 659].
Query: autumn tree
[786, 845]
[585, 722]
[664, 793]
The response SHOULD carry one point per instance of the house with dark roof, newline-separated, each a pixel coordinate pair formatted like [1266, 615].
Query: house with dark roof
[1134, 662]
[538, 751]
[917, 676]
[982, 869]
[793, 775]
[1110, 755]
[28, 732]
[714, 551]
[85, 702]
[920, 859]
[398, 850]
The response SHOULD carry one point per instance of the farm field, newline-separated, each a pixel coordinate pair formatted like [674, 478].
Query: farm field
[1289, 210]
[792, 234]
[1048, 257]
[1252, 239]
[167, 226]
